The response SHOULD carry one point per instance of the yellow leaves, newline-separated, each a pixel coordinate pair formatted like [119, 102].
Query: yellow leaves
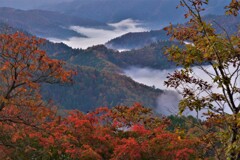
[179, 138]
[233, 8]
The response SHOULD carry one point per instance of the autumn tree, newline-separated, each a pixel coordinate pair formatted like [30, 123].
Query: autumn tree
[218, 57]
[23, 67]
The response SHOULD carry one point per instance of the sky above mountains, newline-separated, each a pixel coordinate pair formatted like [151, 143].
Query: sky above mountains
[41, 4]
[29, 4]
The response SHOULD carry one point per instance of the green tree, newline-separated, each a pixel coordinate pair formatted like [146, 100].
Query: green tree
[219, 96]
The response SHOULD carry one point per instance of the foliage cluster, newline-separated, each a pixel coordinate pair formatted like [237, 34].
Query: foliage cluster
[219, 97]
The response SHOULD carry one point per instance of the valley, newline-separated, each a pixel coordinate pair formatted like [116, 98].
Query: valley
[103, 73]
[119, 79]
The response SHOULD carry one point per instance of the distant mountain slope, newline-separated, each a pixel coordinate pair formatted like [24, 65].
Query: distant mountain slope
[150, 56]
[93, 88]
[98, 82]
[91, 57]
[141, 39]
[117, 10]
[6, 28]
[160, 12]
[44, 23]
[103, 59]
[137, 39]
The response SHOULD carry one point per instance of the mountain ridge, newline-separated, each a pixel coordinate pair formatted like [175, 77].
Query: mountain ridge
[160, 12]
[141, 39]
[45, 23]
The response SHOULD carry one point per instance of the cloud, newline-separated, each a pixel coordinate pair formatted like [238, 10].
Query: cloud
[167, 103]
[97, 36]
[148, 76]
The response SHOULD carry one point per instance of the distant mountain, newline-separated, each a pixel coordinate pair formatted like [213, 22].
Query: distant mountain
[140, 39]
[101, 57]
[93, 88]
[44, 23]
[117, 10]
[137, 40]
[159, 12]
[151, 56]
[99, 81]
[6, 28]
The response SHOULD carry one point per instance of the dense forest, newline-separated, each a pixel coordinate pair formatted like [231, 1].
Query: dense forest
[59, 103]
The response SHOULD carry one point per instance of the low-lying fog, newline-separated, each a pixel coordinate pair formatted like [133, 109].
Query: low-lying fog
[97, 36]
[168, 101]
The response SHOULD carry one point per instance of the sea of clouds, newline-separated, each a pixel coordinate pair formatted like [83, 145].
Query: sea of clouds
[96, 36]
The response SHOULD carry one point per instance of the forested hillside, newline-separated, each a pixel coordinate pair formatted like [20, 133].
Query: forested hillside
[99, 80]
[137, 40]
[92, 88]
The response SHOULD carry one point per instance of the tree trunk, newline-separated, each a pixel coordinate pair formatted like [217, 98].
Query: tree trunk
[234, 155]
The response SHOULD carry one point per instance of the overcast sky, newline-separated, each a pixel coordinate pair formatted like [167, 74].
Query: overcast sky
[32, 4]
[28, 4]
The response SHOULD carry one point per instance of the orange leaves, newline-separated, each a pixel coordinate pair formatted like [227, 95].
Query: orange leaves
[85, 153]
[22, 63]
[184, 154]
[23, 66]
[95, 136]
[24, 116]
[129, 149]
[140, 129]
[135, 138]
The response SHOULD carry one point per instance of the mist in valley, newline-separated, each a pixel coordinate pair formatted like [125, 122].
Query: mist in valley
[96, 36]
[167, 102]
